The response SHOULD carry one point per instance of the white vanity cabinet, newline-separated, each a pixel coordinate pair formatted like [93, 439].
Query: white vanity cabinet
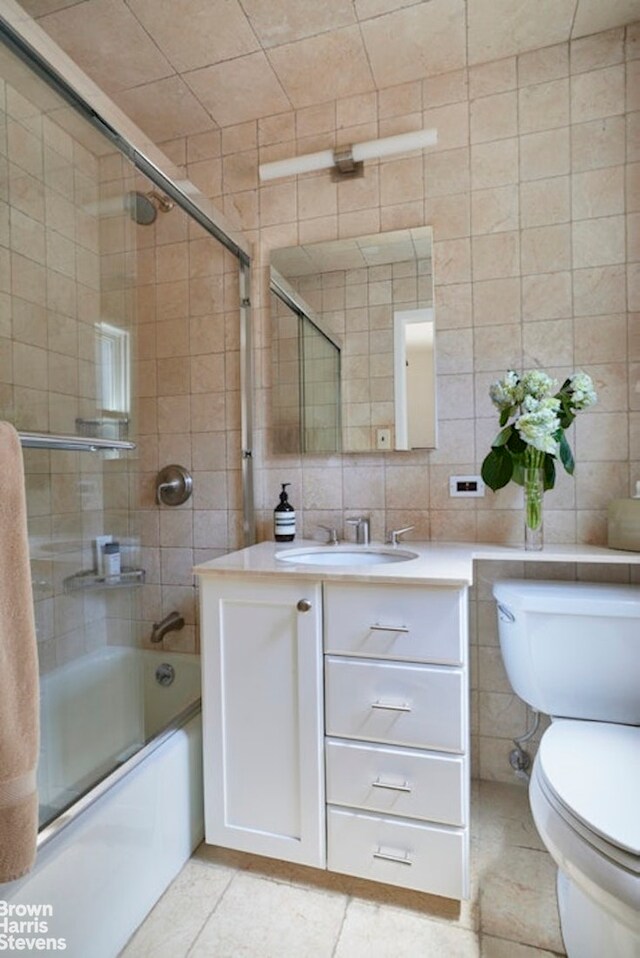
[262, 716]
[388, 733]
[397, 726]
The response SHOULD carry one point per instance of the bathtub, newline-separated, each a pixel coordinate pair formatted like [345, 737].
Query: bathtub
[105, 859]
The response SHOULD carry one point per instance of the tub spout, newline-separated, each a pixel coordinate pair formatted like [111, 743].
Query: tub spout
[171, 623]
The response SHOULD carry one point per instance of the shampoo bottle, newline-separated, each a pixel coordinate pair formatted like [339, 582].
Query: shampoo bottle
[111, 559]
[284, 518]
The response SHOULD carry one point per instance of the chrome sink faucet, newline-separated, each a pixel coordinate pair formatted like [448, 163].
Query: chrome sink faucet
[362, 529]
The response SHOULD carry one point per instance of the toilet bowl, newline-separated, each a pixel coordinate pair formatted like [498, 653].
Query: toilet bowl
[585, 801]
[573, 649]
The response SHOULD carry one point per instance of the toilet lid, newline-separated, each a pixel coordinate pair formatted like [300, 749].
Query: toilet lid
[594, 770]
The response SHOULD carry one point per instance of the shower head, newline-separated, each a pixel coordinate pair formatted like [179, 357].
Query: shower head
[143, 207]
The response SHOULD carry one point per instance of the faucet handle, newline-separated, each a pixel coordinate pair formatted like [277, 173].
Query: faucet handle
[333, 534]
[393, 536]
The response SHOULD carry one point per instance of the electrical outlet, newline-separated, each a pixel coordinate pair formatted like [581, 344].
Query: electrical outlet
[383, 439]
[470, 487]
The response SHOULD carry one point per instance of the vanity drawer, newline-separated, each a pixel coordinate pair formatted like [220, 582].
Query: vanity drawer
[414, 705]
[396, 781]
[408, 623]
[428, 858]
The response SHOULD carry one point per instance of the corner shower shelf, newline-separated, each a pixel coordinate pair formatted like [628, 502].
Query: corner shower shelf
[46, 440]
[90, 581]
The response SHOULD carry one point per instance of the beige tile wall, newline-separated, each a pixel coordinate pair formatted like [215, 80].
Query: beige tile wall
[534, 196]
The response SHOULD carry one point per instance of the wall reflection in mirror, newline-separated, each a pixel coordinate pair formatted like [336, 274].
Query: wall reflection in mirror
[353, 344]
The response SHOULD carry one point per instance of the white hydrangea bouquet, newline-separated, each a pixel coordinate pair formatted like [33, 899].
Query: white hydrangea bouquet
[527, 447]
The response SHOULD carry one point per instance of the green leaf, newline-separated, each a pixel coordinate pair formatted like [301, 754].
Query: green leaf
[504, 416]
[503, 437]
[549, 469]
[497, 468]
[566, 413]
[516, 443]
[566, 456]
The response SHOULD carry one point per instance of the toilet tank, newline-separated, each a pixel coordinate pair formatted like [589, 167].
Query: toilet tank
[572, 649]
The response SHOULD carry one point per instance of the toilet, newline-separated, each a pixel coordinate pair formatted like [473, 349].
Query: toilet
[572, 650]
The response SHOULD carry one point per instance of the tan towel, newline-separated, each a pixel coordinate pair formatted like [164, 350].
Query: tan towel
[19, 706]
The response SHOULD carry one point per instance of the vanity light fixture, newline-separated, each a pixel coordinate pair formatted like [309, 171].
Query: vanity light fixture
[348, 161]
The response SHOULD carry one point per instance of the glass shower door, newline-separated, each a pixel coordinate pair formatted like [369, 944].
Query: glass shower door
[67, 319]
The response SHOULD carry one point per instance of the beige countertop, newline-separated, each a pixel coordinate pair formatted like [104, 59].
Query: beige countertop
[437, 563]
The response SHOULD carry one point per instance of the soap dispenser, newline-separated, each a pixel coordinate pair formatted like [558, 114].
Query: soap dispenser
[284, 518]
[624, 523]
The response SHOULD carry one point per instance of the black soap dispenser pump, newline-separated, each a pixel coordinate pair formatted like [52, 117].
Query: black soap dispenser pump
[284, 518]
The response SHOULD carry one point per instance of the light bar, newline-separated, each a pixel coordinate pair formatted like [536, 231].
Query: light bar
[368, 150]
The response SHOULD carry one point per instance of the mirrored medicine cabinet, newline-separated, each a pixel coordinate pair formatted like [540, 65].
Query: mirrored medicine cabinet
[353, 344]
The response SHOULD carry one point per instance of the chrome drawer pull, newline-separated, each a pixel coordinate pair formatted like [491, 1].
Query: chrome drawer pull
[396, 788]
[400, 859]
[391, 708]
[388, 628]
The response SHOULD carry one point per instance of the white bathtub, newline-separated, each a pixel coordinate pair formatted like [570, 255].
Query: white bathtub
[105, 870]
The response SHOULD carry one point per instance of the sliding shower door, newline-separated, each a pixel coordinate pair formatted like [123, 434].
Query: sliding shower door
[120, 354]
[67, 347]
[306, 382]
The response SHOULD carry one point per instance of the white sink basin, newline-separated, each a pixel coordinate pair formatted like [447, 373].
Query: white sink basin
[345, 555]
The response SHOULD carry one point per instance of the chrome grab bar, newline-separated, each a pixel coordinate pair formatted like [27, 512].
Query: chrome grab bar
[46, 440]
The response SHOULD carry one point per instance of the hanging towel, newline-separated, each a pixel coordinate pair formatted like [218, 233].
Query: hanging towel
[19, 705]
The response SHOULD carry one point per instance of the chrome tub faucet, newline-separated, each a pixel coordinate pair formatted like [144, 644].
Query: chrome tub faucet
[171, 623]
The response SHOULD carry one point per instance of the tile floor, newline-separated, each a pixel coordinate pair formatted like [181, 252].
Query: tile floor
[229, 905]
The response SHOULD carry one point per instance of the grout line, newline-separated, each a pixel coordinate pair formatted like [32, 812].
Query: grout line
[573, 22]
[211, 913]
[349, 899]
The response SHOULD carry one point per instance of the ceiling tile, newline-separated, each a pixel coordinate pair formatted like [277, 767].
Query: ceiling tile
[165, 109]
[501, 28]
[196, 33]
[242, 89]
[418, 41]
[593, 16]
[322, 68]
[285, 21]
[106, 40]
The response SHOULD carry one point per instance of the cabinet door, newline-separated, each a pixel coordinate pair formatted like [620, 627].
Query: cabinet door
[262, 718]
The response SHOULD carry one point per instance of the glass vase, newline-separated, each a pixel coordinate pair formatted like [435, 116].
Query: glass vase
[533, 508]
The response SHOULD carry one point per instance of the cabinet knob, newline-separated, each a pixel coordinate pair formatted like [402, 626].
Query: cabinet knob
[303, 605]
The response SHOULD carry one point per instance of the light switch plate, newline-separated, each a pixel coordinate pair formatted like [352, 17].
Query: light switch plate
[469, 487]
